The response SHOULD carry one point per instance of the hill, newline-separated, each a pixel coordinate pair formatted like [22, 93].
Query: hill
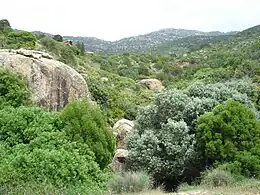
[142, 43]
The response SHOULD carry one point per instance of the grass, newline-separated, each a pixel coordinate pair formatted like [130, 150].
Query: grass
[36, 188]
[129, 182]
[246, 187]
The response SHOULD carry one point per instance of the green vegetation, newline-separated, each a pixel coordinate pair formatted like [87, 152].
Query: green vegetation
[5, 26]
[21, 39]
[63, 53]
[217, 177]
[58, 38]
[130, 182]
[15, 39]
[65, 152]
[164, 141]
[37, 147]
[13, 89]
[85, 124]
[230, 133]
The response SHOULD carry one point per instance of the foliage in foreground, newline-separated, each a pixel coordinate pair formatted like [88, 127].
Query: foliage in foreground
[34, 187]
[38, 146]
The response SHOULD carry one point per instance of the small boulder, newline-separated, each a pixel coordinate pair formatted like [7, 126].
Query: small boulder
[152, 84]
[121, 129]
[119, 159]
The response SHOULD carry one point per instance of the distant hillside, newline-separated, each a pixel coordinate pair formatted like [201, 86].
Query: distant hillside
[188, 44]
[143, 43]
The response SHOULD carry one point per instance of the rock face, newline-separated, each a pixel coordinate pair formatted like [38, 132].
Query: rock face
[152, 84]
[53, 83]
[121, 129]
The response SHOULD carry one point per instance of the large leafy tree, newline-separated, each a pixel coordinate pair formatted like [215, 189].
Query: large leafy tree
[58, 38]
[4, 26]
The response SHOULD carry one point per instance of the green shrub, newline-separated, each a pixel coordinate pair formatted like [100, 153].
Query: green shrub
[85, 123]
[58, 166]
[127, 182]
[245, 163]
[64, 53]
[159, 152]
[13, 89]
[230, 133]
[21, 125]
[34, 148]
[217, 178]
[21, 39]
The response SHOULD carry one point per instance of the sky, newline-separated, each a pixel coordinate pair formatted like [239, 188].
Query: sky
[116, 19]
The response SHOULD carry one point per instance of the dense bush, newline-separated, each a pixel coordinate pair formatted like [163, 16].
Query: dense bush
[21, 39]
[60, 165]
[85, 123]
[129, 182]
[163, 142]
[33, 148]
[230, 133]
[22, 125]
[13, 89]
[165, 153]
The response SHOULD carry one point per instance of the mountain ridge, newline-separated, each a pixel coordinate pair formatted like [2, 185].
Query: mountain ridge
[142, 43]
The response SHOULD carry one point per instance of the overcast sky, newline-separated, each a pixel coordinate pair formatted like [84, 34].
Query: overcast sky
[115, 19]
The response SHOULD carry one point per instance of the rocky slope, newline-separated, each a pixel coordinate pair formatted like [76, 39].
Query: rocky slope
[53, 83]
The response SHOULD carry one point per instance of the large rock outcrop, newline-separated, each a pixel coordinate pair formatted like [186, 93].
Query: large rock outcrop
[53, 83]
[152, 84]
